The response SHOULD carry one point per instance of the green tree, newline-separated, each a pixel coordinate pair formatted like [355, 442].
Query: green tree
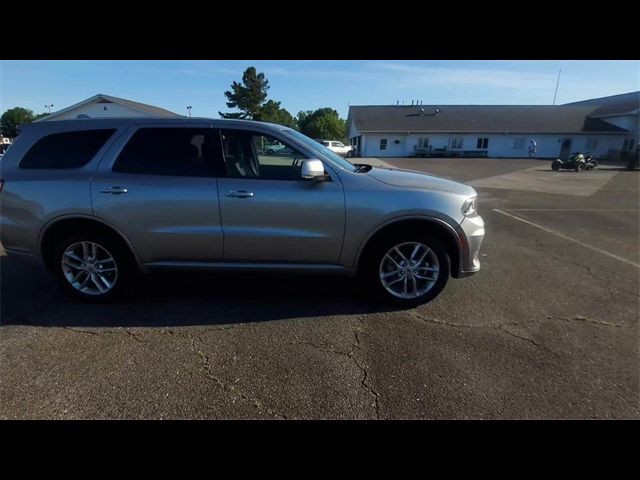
[323, 123]
[247, 96]
[272, 112]
[14, 117]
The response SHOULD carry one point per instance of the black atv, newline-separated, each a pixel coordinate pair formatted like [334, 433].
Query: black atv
[577, 162]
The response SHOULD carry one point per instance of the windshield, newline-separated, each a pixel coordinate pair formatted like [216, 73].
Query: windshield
[320, 150]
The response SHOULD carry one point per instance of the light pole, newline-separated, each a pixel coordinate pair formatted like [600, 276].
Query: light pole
[189, 109]
[48, 107]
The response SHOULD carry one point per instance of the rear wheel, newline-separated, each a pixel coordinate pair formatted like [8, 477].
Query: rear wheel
[556, 164]
[579, 167]
[407, 270]
[94, 266]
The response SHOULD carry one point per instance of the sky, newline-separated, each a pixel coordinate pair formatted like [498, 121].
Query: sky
[308, 85]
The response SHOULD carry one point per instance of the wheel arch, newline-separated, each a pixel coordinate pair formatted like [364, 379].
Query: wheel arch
[443, 231]
[60, 226]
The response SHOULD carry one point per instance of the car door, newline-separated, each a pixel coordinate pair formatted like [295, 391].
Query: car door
[268, 212]
[157, 185]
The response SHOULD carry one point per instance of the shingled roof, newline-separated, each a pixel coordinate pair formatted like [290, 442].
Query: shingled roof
[479, 119]
[102, 98]
[622, 104]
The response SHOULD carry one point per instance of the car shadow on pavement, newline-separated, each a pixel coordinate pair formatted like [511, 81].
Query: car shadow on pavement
[32, 296]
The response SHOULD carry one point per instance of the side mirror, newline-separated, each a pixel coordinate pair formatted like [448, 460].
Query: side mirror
[313, 170]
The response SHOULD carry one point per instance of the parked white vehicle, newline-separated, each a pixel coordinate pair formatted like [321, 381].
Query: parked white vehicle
[338, 147]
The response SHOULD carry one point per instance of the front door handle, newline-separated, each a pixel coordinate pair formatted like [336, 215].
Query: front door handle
[240, 194]
[114, 190]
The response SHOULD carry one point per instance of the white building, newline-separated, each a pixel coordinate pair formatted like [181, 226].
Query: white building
[603, 126]
[104, 106]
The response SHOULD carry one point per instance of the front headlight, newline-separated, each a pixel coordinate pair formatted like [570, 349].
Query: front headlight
[470, 207]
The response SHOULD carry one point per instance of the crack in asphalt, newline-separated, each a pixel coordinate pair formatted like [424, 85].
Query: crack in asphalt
[531, 341]
[134, 336]
[499, 326]
[587, 320]
[365, 382]
[208, 370]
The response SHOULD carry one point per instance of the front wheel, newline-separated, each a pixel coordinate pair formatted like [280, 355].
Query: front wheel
[579, 167]
[407, 270]
[556, 164]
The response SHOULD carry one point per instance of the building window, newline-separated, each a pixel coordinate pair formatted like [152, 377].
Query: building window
[483, 143]
[455, 143]
[518, 143]
[423, 142]
[383, 144]
[592, 143]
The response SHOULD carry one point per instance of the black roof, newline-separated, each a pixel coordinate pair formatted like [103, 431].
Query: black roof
[479, 119]
[614, 105]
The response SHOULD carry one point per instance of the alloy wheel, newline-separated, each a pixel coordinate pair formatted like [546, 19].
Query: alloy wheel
[89, 268]
[409, 270]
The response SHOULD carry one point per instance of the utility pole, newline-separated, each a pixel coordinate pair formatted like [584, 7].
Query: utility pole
[557, 83]
[48, 107]
[189, 110]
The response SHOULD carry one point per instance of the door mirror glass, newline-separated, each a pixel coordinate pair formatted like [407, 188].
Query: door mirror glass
[313, 170]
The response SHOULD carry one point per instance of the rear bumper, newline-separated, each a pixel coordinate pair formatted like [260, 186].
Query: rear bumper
[473, 230]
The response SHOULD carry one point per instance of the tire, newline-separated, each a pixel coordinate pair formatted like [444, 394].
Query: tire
[556, 164]
[71, 248]
[376, 264]
[579, 167]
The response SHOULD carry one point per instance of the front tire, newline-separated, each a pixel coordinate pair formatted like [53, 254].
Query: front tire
[406, 270]
[94, 266]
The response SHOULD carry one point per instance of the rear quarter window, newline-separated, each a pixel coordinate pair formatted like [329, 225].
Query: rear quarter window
[66, 149]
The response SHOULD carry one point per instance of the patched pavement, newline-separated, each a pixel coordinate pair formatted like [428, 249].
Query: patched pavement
[547, 329]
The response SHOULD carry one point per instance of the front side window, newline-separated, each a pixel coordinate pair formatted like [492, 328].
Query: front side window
[383, 144]
[256, 155]
[65, 150]
[184, 152]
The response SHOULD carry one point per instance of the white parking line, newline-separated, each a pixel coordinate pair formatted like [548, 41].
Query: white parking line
[558, 234]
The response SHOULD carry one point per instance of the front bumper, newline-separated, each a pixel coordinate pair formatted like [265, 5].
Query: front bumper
[473, 229]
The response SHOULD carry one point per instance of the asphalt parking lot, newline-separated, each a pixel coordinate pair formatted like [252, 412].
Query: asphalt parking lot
[548, 328]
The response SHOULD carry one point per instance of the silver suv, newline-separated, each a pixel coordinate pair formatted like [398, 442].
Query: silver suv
[102, 200]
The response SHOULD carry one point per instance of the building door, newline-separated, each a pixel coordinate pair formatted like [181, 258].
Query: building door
[565, 149]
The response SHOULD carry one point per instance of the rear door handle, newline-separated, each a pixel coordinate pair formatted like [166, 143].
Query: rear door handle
[240, 194]
[114, 190]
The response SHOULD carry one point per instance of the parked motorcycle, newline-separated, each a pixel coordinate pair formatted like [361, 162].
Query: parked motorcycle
[577, 161]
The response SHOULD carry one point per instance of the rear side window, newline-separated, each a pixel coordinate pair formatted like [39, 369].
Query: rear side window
[184, 152]
[65, 150]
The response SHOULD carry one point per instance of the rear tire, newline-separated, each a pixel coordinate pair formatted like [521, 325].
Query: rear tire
[556, 164]
[579, 167]
[94, 266]
[389, 278]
